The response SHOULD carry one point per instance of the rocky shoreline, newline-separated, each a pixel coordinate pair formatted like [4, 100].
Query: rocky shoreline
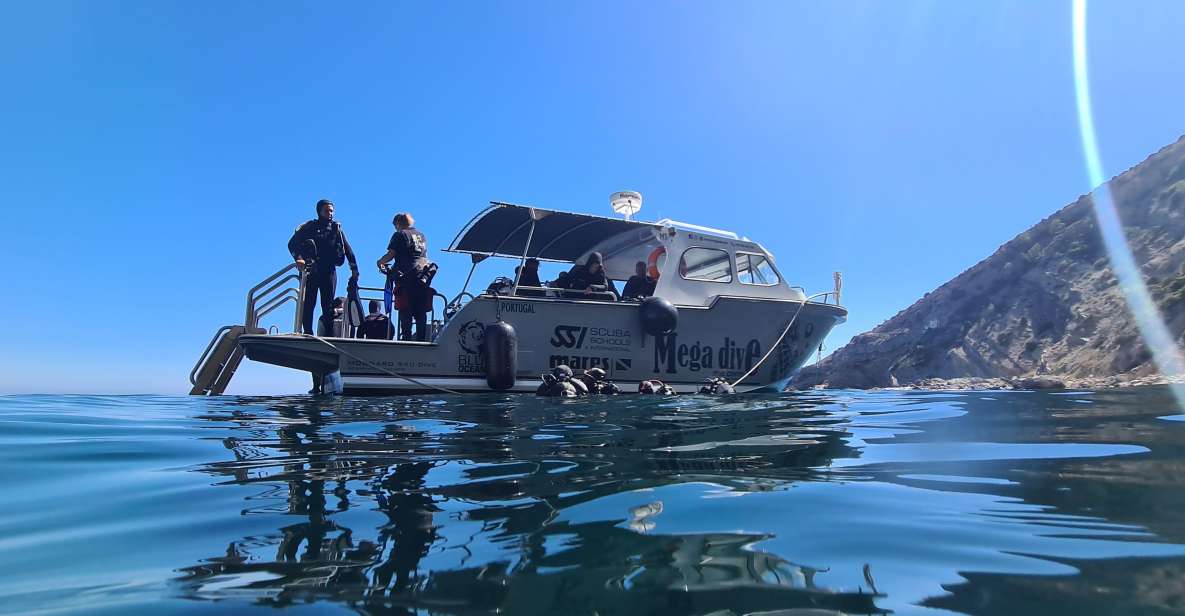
[1045, 311]
[1032, 383]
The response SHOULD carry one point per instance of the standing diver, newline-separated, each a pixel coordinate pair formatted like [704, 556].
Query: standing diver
[320, 246]
[410, 274]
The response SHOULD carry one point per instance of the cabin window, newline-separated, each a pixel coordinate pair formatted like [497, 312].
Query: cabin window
[706, 264]
[756, 269]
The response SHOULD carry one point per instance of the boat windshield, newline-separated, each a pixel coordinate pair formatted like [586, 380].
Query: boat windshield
[756, 269]
[707, 264]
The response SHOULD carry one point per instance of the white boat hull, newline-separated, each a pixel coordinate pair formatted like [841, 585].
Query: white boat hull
[725, 339]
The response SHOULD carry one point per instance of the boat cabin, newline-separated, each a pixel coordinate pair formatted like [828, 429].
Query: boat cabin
[693, 265]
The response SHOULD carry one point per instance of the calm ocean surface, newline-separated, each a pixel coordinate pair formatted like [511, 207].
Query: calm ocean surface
[851, 502]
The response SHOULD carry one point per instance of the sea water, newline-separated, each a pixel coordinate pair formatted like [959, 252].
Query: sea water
[841, 502]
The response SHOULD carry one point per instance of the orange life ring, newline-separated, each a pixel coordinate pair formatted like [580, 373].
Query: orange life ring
[652, 262]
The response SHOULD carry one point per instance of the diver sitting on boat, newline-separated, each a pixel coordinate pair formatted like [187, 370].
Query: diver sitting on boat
[409, 276]
[590, 278]
[640, 285]
[376, 325]
[560, 282]
[528, 276]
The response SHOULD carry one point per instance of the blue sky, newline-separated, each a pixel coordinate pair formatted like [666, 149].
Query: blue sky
[157, 155]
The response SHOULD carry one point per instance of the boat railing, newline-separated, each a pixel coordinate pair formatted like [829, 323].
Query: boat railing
[206, 353]
[667, 222]
[288, 285]
[554, 293]
[367, 298]
[823, 298]
[273, 292]
[288, 295]
[382, 298]
[820, 298]
[348, 320]
[220, 359]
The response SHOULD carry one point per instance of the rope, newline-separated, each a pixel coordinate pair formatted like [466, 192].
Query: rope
[383, 368]
[775, 345]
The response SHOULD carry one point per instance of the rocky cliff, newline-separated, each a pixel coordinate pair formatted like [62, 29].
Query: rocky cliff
[1046, 302]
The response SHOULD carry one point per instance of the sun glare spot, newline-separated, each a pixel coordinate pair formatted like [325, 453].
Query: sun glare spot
[1157, 337]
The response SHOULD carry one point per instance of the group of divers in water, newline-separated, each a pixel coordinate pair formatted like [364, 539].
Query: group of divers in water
[319, 247]
[561, 382]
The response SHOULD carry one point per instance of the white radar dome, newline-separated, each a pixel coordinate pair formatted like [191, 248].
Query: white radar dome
[627, 203]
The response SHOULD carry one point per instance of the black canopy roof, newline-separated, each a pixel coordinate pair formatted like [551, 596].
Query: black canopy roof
[502, 230]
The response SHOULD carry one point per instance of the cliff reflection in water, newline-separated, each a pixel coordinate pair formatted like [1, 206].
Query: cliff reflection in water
[474, 506]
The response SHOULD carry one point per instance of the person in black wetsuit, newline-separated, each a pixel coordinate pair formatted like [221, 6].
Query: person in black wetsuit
[529, 277]
[409, 250]
[320, 246]
[591, 276]
[560, 284]
[639, 285]
[376, 325]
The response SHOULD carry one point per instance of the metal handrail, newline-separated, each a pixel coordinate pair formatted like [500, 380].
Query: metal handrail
[522, 264]
[297, 316]
[459, 296]
[293, 291]
[202, 360]
[825, 295]
[289, 295]
[251, 295]
[269, 293]
[558, 293]
[443, 309]
[287, 298]
[275, 285]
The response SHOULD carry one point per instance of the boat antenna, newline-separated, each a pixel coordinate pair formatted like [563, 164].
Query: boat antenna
[626, 202]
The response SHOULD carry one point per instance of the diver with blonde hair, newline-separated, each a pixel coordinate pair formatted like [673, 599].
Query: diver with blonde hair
[409, 276]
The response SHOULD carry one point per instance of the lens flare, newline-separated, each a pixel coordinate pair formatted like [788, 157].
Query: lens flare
[1157, 337]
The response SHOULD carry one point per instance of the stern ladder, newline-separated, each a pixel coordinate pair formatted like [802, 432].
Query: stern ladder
[218, 363]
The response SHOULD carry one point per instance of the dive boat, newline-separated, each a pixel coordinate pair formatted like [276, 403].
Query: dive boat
[728, 313]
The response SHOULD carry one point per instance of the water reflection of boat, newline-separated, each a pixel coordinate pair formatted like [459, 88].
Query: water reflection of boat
[506, 490]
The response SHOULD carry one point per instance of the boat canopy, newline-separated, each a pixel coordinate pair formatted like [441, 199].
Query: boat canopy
[504, 230]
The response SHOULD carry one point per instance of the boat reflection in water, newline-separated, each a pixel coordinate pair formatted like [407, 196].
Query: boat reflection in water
[516, 505]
